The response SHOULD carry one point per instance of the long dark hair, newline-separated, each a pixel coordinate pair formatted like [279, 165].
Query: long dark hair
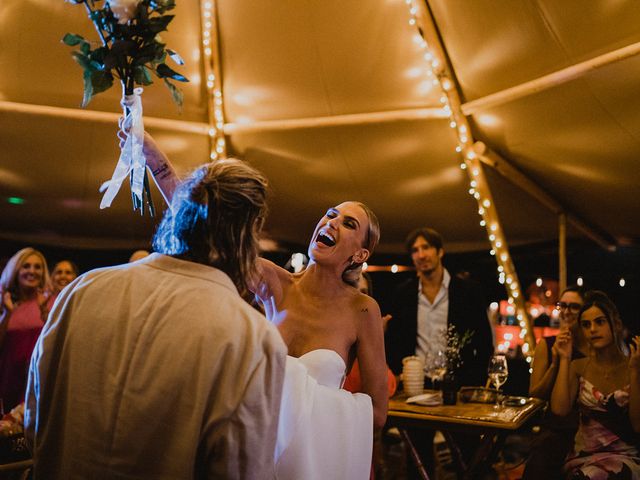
[215, 219]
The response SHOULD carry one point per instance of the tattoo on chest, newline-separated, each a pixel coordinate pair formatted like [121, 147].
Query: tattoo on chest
[364, 310]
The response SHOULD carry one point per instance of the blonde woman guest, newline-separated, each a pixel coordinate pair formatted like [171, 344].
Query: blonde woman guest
[605, 386]
[24, 286]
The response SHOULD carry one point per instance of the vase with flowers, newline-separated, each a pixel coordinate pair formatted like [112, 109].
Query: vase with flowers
[455, 343]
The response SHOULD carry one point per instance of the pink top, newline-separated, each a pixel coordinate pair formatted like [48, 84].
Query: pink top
[24, 328]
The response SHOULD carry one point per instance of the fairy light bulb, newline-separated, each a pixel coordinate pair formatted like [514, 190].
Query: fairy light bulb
[622, 282]
[579, 281]
[394, 268]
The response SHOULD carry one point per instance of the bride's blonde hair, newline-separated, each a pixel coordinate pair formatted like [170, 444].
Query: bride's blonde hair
[352, 273]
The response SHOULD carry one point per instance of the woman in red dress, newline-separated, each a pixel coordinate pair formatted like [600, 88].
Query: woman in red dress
[24, 307]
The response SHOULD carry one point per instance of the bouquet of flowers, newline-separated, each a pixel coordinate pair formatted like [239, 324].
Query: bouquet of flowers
[130, 50]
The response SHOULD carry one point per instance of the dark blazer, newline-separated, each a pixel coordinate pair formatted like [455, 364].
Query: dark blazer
[467, 311]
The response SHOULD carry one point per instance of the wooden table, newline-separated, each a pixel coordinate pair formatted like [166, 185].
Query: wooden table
[493, 425]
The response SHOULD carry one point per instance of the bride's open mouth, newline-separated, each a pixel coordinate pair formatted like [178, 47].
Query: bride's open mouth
[325, 239]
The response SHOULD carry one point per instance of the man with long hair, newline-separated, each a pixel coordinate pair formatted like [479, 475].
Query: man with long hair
[158, 369]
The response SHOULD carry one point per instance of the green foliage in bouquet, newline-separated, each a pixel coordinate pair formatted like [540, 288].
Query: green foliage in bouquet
[131, 48]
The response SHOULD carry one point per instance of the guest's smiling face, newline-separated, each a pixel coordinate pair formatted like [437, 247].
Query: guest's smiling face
[63, 274]
[569, 305]
[426, 258]
[31, 272]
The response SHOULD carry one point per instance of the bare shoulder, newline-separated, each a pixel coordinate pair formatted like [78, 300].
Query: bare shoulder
[367, 307]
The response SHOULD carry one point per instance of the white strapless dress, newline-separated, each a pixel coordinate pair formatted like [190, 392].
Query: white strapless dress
[324, 432]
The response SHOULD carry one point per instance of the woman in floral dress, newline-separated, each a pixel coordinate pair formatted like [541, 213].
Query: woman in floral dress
[606, 387]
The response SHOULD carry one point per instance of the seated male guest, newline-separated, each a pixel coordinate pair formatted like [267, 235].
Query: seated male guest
[423, 308]
[158, 369]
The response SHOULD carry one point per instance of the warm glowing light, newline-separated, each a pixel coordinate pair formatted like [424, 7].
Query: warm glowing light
[365, 265]
[622, 282]
[579, 281]
[394, 268]
[539, 282]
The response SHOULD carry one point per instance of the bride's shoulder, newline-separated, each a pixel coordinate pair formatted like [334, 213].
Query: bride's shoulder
[367, 305]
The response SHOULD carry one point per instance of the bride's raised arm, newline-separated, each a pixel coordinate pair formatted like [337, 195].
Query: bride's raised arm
[163, 172]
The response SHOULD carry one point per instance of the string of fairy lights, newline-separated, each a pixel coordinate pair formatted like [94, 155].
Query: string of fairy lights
[438, 72]
[210, 54]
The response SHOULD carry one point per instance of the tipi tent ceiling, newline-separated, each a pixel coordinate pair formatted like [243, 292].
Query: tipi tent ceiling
[332, 101]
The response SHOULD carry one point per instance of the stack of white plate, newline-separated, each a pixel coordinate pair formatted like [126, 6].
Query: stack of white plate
[413, 375]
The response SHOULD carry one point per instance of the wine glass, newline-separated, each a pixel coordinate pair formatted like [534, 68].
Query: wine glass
[498, 372]
[435, 366]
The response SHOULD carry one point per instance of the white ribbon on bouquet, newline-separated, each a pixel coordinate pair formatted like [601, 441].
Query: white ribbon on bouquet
[132, 161]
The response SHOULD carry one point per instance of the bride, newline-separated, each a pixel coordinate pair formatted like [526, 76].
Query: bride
[324, 432]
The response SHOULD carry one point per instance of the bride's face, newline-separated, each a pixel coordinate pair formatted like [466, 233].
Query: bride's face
[340, 234]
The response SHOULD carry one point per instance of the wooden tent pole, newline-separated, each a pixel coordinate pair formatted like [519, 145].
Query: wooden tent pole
[562, 251]
[112, 118]
[213, 77]
[338, 120]
[549, 81]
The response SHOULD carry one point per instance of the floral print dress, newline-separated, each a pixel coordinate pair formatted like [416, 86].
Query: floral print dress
[605, 446]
